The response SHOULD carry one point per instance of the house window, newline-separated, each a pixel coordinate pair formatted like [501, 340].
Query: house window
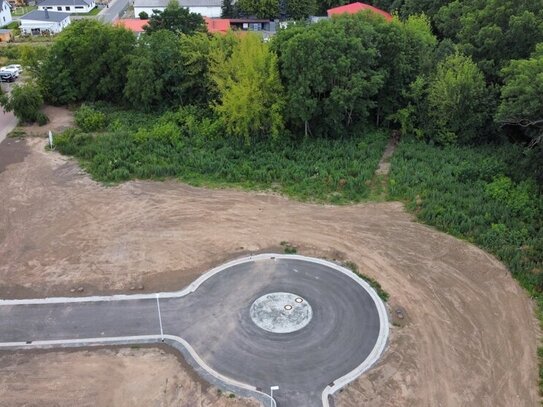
[79, 7]
[67, 8]
[59, 8]
[49, 8]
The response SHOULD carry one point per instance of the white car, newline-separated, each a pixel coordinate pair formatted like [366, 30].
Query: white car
[16, 66]
[13, 71]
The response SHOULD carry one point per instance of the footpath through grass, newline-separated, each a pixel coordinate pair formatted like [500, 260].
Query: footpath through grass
[480, 194]
[136, 146]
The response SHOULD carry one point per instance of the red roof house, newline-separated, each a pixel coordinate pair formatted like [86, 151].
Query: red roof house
[133, 24]
[217, 25]
[355, 8]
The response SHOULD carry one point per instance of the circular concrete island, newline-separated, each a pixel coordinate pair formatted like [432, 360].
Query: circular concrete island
[281, 312]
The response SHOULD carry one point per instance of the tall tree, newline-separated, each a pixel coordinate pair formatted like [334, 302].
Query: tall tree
[88, 61]
[493, 32]
[521, 103]
[155, 73]
[250, 103]
[458, 102]
[177, 19]
[331, 73]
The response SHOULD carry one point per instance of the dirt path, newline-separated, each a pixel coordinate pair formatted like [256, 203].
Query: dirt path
[469, 336]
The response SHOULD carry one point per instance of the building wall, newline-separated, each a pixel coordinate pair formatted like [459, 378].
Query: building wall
[53, 27]
[69, 9]
[5, 13]
[214, 11]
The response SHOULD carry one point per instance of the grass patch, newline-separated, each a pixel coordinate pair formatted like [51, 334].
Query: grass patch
[137, 146]
[371, 281]
[93, 12]
[21, 11]
[17, 132]
[288, 248]
[482, 195]
[12, 25]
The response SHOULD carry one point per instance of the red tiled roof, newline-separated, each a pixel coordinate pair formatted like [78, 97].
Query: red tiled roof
[217, 25]
[355, 8]
[133, 24]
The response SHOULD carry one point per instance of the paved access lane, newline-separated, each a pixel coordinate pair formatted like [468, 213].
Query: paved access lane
[214, 318]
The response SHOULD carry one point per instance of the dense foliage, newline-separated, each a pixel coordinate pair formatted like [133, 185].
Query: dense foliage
[479, 194]
[177, 145]
[250, 102]
[176, 19]
[87, 62]
[25, 101]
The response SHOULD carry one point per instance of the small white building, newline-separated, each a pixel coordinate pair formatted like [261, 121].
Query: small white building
[67, 6]
[207, 8]
[39, 22]
[5, 13]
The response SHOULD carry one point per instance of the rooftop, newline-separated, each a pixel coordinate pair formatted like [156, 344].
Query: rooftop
[182, 3]
[133, 24]
[355, 8]
[40, 15]
[53, 3]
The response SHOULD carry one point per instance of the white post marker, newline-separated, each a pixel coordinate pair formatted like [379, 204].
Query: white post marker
[272, 402]
[50, 139]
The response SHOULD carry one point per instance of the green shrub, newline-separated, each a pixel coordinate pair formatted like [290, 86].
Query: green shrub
[25, 101]
[88, 119]
[187, 144]
[42, 119]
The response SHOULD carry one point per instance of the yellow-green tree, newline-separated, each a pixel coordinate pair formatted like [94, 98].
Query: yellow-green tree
[250, 103]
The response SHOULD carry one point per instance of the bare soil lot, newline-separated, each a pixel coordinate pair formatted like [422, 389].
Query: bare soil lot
[127, 377]
[468, 337]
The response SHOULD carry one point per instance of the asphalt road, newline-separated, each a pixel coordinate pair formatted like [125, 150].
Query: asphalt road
[111, 13]
[214, 319]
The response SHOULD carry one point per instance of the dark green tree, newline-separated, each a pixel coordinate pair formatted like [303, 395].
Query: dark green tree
[493, 32]
[25, 101]
[177, 19]
[155, 73]
[88, 61]
[331, 74]
[521, 103]
[228, 9]
[458, 102]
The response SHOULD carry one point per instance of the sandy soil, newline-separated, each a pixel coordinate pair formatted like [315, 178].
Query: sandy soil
[127, 377]
[468, 336]
[59, 119]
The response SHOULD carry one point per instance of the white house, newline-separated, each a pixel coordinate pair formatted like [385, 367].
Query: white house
[67, 6]
[207, 8]
[5, 13]
[44, 22]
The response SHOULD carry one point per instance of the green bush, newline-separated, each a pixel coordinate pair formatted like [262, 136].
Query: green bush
[188, 145]
[42, 119]
[25, 101]
[88, 119]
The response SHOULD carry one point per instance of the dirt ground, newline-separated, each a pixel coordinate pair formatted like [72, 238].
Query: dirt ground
[468, 336]
[126, 377]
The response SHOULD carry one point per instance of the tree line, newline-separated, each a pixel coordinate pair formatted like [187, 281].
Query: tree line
[464, 72]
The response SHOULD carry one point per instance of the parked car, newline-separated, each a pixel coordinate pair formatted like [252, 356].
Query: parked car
[13, 71]
[7, 77]
[16, 66]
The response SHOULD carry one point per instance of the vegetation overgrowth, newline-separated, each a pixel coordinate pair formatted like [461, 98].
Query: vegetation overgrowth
[480, 194]
[176, 145]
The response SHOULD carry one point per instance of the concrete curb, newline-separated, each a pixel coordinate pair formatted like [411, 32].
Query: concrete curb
[225, 381]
